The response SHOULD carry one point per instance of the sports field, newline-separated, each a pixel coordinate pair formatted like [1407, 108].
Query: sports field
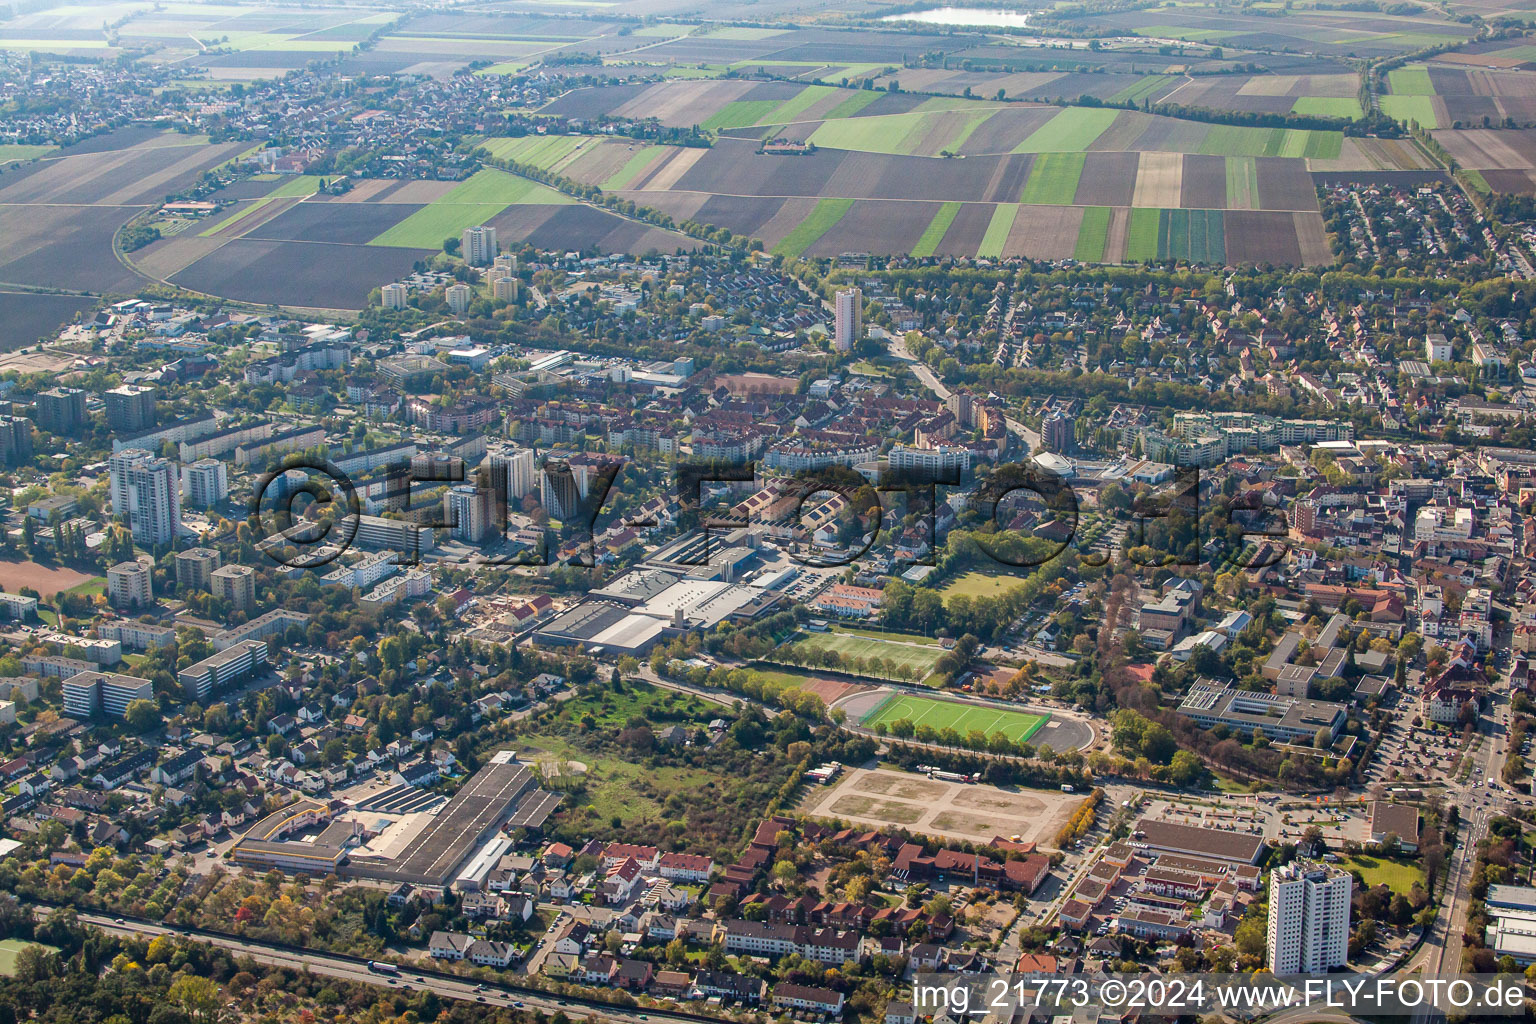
[963, 718]
[10, 947]
[920, 656]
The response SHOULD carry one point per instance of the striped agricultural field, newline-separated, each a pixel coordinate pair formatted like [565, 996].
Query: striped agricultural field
[1053, 179]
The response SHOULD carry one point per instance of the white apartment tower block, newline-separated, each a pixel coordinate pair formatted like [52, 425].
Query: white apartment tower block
[1308, 918]
[147, 490]
[204, 483]
[849, 311]
[479, 245]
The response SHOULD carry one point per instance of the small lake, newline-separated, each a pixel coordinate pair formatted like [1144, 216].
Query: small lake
[967, 17]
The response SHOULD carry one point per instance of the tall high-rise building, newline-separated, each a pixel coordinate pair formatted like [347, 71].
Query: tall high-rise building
[146, 489]
[1058, 433]
[504, 289]
[849, 325]
[393, 295]
[1308, 918]
[15, 440]
[458, 296]
[520, 472]
[471, 511]
[235, 585]
[130, 408]
[129, 585]
[194, 567]
[61, 410]
[504, 266]
[961, 406]
[479, 245]
[204, 483]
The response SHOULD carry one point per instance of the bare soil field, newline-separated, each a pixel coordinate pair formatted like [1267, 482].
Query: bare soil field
[1204, 183]
[26, 317]
[673, 169]
[1511, 182]
[967, 230]
[791, 213]
[170, 256]
[320, 275]
[1001, 132]
[1482, 149]
[864, 808]
[1044, 232]
[1312, 239]
[1159, 180]
[45, 579]
[1108, 179]
[1260, 237]
[873, 225]
[353, 223]
[1374, 155]
[412, 192]
[952, 810]
[683, 104]
[1285, 185]
[594, 101]
[32, 255]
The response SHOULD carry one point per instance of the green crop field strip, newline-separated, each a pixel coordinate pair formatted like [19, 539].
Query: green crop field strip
[853, 104]
[901, 134]
[997, 231]
[546, 152]
[294, 187]
[1142, 89]
[1141, 241]
[1198, 235]
[475, 201]
[1053, 179]
[805, 234]
[740, 114]
[1234, 140]
[1071, 131]
[1412, 108]
[1327, 106]
[1092, 234]
[1018, 726]
[1242, 183]
[933, 234]
[1410, 81]
[20, 151]
[799, 104]
[632, 167]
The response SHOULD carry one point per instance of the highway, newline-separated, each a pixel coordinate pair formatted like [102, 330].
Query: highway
[350, 969]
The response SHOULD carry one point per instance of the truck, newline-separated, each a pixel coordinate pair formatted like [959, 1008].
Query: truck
[1068, 789]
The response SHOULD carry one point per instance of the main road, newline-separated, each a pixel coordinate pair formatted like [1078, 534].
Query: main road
[898, 349]
[350, 969]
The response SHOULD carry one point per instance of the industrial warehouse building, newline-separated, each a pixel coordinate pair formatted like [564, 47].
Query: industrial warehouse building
[646, 606]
